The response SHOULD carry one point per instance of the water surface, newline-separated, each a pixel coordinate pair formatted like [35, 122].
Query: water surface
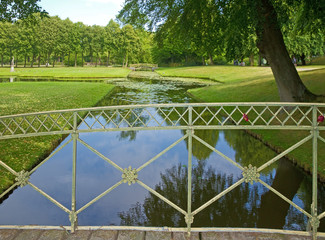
[249, 205]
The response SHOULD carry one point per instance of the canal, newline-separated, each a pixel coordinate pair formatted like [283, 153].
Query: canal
[249, 205]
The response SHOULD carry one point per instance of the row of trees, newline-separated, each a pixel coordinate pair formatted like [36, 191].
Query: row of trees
[46, 40]
[50, 39]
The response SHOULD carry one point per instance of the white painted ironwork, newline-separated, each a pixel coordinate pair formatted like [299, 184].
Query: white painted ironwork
[189, 117]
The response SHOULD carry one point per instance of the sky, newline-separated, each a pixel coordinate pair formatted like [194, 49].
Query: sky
[90, 12]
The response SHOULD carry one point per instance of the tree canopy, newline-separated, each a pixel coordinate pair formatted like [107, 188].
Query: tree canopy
[235, 28]
[45, 41]
[12, 10]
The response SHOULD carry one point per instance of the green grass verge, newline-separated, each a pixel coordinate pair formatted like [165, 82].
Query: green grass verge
[23, 97]
[224, 74]
[264, 90]
[67, 72]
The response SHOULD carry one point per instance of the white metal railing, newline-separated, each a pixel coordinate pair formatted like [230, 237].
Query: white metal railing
[188, 117]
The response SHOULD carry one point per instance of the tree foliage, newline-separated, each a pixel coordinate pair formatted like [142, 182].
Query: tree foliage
[46, 41]
[12, 10]
[235, 28]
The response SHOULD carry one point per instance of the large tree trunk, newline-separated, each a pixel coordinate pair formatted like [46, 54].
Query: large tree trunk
[25, 61]
[271, 45]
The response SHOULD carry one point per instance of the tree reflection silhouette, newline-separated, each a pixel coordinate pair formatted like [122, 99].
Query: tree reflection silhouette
[248, 149]
[230, 210]
[246, 206]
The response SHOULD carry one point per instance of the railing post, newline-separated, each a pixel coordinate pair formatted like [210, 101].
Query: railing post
[314, 221]
[189, 217]
[75, 135]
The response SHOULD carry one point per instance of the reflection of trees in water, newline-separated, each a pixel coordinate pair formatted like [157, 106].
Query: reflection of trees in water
[274, 210]
[245, 206]
[305, 193]
[248, 149]
[230, 210]
[238, 208]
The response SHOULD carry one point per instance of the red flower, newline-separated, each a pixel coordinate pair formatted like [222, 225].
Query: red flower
[320, 118]
[245, 117]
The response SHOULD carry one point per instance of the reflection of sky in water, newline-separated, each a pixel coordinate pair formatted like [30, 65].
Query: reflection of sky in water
[95, 175]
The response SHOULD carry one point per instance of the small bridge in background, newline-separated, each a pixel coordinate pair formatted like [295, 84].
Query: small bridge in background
[164, 117]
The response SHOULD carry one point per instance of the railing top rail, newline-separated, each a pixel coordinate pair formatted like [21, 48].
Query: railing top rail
[225, 104]
[294, 116]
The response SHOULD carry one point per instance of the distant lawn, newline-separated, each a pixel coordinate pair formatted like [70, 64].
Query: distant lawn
[67, 72]
[218, 73]
[264, 89]
[24, 97]
[224, 74]
[257, 89]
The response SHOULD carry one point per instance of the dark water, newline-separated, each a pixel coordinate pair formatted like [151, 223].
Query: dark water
[246, 206]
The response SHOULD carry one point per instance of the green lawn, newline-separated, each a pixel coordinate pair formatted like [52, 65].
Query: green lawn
[263, 89]
[23, 97]
[224, 74]
[218, 73]
[67, 72]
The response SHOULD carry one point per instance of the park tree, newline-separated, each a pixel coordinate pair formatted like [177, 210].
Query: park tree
[129, 44]
[264, 16]
[111, 40]
[12, 10]
[169, 47]
[8, 41]
[303, 40]
[145, 44]
[23, 46]
[4, 28]
[65, 40]
[76, 40]
[31, 33]
[97, 42]
[48, 34]
[206, 28]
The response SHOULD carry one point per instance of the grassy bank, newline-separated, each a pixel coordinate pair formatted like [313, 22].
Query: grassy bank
[225, 74]
[67, 72]
[263, 89]
[23, 97]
